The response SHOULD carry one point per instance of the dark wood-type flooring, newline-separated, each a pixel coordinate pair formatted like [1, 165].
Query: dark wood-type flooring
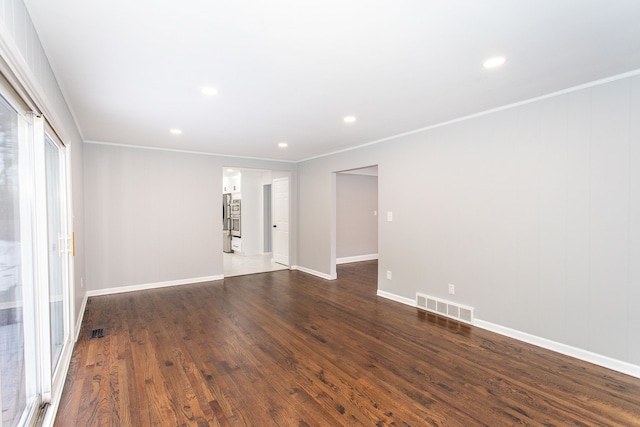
[289, 349]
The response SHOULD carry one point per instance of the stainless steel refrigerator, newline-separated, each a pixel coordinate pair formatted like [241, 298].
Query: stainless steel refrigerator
[226, 223]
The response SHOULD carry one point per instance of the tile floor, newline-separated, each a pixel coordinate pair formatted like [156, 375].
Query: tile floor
[237, 265]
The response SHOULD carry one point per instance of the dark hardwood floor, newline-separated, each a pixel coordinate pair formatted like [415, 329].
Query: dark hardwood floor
[289, 349]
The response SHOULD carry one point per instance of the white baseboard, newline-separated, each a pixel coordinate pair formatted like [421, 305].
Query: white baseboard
[133, 288]
[567, 350]
[578, 353]
[81, 316]
[357, 258]
[396, 298]
[315, 273]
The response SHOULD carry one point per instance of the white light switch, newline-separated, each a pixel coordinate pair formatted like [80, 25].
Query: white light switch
[375, 213]
[389, 216]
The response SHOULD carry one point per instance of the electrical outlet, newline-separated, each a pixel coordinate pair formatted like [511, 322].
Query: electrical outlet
[452, 289]
[389, 216]
[389, 274]
[375, 213]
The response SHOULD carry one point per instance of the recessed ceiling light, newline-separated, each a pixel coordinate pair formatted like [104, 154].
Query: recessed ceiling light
[349, 119]
[208, 90]
[282, 144]
[175, 131]
[494, 62]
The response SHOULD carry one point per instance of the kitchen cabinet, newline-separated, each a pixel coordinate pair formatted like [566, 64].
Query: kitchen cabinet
[231, 184]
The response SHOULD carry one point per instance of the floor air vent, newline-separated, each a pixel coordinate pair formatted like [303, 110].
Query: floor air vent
[96, 333]
[445, 308]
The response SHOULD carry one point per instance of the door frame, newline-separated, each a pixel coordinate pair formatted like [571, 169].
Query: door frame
[278, 173]
[334, 214]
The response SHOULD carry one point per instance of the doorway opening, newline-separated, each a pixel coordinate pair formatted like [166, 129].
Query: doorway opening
[356, 220]
[252, 209]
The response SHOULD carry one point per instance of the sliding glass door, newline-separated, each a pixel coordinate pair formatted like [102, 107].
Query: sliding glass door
[18, 342]
[35, 259]
[58, 247]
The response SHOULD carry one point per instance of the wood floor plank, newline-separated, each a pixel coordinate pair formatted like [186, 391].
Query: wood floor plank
[289, 349]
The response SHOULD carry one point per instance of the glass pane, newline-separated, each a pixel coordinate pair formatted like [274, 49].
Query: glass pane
[57, 248]
[13, 390]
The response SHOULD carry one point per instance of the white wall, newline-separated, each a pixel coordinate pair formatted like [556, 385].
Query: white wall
[152, 216]
[533, 212]
[19, 41]
[356, 224]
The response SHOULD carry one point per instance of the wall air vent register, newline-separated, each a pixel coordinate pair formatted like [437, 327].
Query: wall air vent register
[446, 308]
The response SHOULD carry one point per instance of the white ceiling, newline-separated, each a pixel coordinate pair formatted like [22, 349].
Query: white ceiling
[291, 70]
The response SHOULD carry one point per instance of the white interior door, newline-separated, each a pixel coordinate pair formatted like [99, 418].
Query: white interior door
[280, 189]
